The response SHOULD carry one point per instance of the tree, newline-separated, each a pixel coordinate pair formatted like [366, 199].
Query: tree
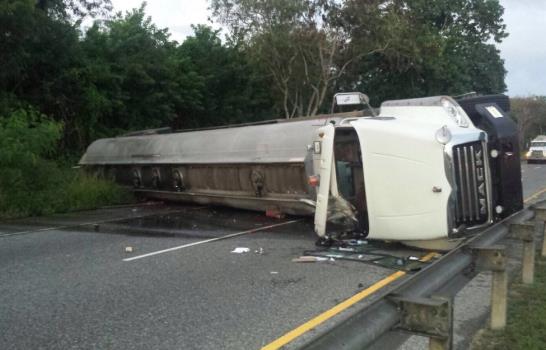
[38, 65]
[295, 43]
[75, 9]
[390, 49]
[432, 47]
[135, 79]
[530, 113]
[233, 90]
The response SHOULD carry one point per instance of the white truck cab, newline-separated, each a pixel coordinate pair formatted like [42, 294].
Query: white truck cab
[537, 150]
[419, 171]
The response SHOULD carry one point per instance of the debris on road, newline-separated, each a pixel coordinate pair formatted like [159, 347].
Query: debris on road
[240, 250]
[357, 242]
[365, 252]
[259, 251]
[343, 249]
[274, 213]
[308, 258]
[128, 249]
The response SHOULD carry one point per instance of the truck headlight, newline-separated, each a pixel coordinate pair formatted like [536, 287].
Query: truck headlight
[453, 111]
[528, 154]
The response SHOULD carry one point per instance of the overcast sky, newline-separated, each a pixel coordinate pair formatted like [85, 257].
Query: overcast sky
[524, 51]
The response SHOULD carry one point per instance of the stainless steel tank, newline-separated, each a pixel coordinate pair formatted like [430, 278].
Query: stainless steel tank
[254, 167]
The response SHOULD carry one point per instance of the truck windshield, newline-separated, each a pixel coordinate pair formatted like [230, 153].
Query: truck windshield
[349, 172]
[538, 144]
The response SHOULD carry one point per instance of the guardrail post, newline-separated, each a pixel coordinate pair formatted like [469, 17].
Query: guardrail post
[494, 259]
[540, 215]
[499, 296]
[526, 233]
[429, 317]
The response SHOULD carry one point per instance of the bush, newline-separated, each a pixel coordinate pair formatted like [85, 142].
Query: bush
[31, 184]
[87, 192]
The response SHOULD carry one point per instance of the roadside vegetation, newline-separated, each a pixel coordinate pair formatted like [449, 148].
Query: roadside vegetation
[526, 317]
[70, 83]
[32, 184]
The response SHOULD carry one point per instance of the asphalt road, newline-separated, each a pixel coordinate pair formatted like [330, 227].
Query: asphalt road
[73, 287]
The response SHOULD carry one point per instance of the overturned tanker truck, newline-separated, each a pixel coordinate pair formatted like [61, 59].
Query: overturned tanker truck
[426, 171]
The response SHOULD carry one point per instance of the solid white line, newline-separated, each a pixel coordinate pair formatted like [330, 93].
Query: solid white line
[84, 224]
[210, 240]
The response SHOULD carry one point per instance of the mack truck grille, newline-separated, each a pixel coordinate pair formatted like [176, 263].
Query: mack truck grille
[537, 154]
[471, 207]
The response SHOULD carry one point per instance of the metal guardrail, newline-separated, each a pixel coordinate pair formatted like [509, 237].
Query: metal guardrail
[423, 303]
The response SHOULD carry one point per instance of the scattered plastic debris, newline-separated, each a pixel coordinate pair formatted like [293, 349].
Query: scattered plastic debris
[306, 258]
[129, 249]
[357, 242]
[274, 272]
[240, 250]
[259, 251]
[368, 253]
[343, 249]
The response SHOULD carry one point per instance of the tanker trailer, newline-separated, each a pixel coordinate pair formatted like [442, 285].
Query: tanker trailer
[427, 170]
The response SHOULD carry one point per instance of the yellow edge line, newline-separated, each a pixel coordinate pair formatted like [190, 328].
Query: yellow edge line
[293, 334]
[534, 195]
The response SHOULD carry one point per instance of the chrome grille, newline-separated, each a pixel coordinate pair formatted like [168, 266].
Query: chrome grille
[469, 166]
[537, 154]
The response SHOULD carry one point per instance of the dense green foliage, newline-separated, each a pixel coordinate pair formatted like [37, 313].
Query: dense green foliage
[430, 47]
[69, 85]
[123, 73]
[32, 185]
[281, 57]
[388, 49]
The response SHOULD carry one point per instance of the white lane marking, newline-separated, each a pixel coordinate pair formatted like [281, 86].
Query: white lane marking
[84, 224]
[210, 240]
[32, 231]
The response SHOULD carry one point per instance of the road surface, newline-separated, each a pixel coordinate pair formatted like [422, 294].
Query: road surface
[72, 282]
